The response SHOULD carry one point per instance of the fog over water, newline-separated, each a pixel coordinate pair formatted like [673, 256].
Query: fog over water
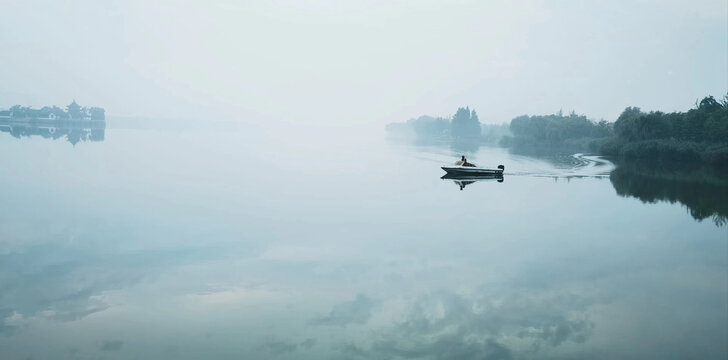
[211, 242]
[242, 198]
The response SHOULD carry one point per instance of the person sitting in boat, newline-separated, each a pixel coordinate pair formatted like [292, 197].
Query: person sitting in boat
[464, 162]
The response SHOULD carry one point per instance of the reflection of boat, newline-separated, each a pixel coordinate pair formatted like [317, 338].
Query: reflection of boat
[472, 170]
[464, 180]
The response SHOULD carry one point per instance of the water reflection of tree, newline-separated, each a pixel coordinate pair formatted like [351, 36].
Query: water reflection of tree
[457, 145]
[703, 190]
[73, 131]
[465, 145]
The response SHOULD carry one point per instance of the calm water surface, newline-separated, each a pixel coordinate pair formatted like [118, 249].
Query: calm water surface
[225, 242]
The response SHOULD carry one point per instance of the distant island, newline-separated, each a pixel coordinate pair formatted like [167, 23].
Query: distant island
[698, 135]
[72, 112]
[75, 123]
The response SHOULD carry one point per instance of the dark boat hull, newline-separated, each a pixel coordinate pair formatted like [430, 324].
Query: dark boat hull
[471, 171]
[473, 177]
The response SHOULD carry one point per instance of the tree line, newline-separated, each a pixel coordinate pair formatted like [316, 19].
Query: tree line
[464, 125]
[558, 127]
[700, 134]
[72, 112]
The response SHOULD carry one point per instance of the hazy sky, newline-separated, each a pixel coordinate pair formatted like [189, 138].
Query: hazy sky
[346, 62]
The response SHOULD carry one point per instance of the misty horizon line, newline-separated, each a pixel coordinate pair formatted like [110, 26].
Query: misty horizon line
[137, 117]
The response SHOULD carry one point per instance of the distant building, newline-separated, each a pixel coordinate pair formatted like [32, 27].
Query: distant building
[74, 111]
[44, 114]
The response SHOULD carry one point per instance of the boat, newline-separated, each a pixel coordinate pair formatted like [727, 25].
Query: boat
[460, 170]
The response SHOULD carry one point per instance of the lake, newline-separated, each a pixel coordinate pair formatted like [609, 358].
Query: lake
[187, 241]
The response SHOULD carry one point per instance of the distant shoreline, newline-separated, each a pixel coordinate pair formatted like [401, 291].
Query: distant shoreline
[52, 114]
[46, 121]
[698, 135]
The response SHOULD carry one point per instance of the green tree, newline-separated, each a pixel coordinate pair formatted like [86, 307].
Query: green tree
[97, 113]
[465, 124]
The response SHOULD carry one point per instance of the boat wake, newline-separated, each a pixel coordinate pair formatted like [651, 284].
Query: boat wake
[565, 166]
